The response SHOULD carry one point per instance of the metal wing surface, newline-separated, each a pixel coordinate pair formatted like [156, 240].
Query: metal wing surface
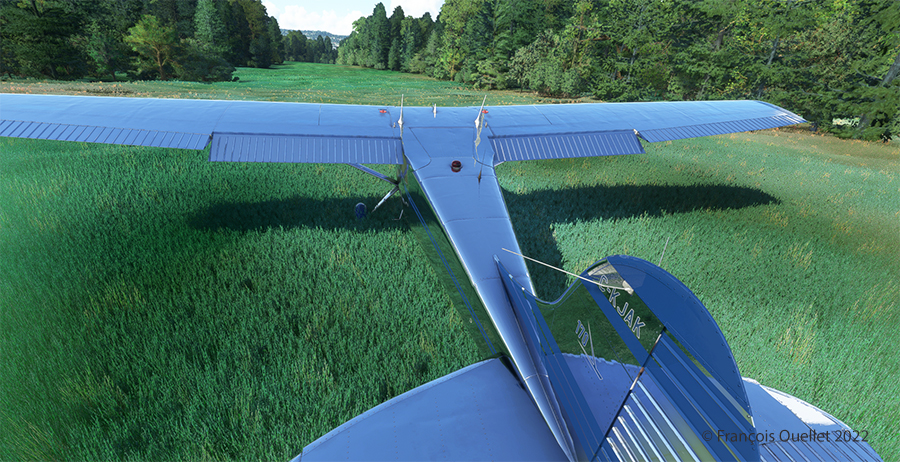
[244, 131]
[253, 131]
[581, 130]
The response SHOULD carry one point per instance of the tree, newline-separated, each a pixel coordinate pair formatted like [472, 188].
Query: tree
[259, 51]
[106, 50]
[396, 21]
[295, 46]
[543, 66]
[517, 24]
[379, 38]
[38, 37]
[411, 40]
[330, 54]
[156, 44]
[467, 36]
[277, 41]
[879, 97]
[177, 14]
[430, 54]
[394, 51]
[237, 33]
[198, 63]
[209, 28]
[394, 56]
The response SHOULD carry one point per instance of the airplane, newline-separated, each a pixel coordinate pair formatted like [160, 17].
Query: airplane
[657, 382]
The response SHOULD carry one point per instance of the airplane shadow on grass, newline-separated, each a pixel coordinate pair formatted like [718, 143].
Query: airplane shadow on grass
[297, 212]
[531, 214]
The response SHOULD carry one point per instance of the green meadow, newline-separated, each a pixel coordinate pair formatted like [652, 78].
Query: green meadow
[154, 305]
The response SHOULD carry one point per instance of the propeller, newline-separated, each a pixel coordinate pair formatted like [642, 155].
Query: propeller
[401, 169]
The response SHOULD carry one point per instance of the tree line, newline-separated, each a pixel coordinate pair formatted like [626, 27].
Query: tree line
[297, 47]
[201, 40]
[824, 59]
[828, 60]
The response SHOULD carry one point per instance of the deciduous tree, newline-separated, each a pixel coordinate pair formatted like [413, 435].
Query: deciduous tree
[155, 44]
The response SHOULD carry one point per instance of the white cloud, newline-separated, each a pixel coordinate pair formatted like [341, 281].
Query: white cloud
[417, 8]
[271, 9]
[298, 18]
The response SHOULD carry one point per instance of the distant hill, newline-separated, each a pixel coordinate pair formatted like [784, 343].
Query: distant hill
[314, 34]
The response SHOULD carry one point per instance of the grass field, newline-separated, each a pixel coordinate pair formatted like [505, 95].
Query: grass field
[157, 306]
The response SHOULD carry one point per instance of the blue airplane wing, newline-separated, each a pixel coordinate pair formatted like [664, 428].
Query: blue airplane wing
[581, 130]
[240, 131]
[253, 131]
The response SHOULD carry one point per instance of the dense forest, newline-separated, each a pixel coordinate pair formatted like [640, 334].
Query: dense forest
[200, 40]
[835, 62]
[824, 59]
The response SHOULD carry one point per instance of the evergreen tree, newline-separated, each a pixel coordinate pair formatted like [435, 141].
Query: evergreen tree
[209, 28]
[379, 38]
[430, 55]
[396, 21]
[238, 33]
[317, 52]
[277, 40]
[329, 54]
[411, 40]
[394, 56]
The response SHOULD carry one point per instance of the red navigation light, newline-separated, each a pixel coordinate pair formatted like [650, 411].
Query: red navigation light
[456, 166]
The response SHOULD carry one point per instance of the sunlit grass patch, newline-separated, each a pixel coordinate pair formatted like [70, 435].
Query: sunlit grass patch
[798, 268]
[301, 82]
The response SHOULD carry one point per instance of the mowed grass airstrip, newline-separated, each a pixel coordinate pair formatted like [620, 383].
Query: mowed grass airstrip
[154, 305]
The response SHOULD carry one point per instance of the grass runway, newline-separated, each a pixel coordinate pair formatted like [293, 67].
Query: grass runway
[157, 306]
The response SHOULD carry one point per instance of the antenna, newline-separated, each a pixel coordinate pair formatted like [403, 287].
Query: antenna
[593, 361]
[627, 287]
[400, 122]
[663, 252]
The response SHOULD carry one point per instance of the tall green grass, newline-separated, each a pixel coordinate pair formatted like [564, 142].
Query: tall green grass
[156, 306]
[791, 244]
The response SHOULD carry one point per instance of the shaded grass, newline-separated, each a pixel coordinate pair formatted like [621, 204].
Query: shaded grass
[156, 306]
[185, 333]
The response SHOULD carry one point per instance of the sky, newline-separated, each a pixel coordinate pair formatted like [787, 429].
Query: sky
[337, 16]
